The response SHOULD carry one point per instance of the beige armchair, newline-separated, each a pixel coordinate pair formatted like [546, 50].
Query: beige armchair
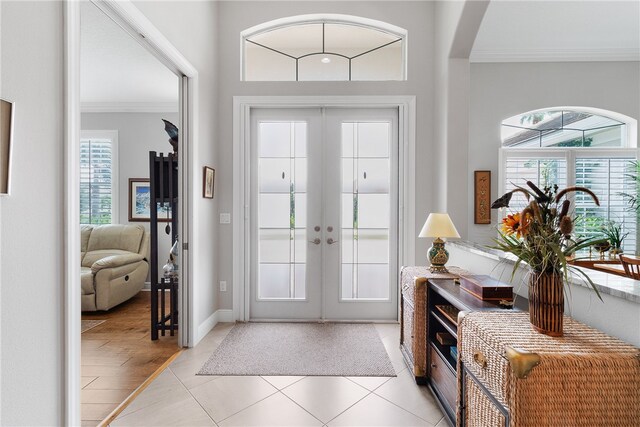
[113, 264]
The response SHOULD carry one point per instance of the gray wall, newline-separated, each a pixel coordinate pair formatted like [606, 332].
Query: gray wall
[32, 266]
[502, 90]
[138, 133]
[416, 17]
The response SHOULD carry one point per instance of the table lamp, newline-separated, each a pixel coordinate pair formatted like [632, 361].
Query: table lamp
[438, 226]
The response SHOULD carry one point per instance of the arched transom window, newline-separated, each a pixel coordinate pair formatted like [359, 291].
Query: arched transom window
[324, 48]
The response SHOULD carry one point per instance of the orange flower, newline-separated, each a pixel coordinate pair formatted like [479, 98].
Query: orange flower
[512, 224]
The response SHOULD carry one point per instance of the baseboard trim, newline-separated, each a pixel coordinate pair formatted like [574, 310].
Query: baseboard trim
[221, 315]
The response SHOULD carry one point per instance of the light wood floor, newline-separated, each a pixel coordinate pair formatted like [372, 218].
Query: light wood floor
[118, 355]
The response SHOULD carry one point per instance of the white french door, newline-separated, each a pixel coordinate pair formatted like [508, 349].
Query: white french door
[324, 214]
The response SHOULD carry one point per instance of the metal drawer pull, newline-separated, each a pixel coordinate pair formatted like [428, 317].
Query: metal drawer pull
[315, 241]
[433, 365]
[480, 359]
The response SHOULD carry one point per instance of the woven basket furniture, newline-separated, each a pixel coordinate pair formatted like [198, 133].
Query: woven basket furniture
[413, 315]
[510, 375]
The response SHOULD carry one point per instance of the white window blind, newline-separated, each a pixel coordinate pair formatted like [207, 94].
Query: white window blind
[97, 180]
[608, 178]
[541, 171]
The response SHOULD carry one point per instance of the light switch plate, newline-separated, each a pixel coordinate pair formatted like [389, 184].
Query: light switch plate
[225, 218]
[223, 286]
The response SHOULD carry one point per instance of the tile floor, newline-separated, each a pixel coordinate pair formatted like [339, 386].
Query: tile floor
[180, 398]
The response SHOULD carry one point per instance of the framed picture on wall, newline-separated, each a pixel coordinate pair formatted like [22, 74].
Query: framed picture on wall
[140, 202]
[208, 178]
[482, 197]
[6, 135]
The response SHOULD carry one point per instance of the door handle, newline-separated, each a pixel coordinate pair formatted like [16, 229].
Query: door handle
[315, 241]
[330, 241]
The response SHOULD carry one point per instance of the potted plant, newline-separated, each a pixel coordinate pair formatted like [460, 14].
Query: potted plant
[614, 235]
[541, 235]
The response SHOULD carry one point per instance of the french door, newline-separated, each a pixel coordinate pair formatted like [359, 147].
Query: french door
[324, 214]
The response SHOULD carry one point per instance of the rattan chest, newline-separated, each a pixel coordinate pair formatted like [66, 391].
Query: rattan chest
[413, 316]
[509, 375]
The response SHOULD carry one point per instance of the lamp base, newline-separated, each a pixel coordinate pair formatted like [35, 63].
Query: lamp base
[438, 257]
[438, 269]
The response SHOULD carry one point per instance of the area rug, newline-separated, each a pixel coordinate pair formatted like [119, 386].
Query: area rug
[301, 349]
[90, 324]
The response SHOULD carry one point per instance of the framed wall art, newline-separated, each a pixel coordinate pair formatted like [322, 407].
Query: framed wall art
[6, 136]
[208, 181]
[482, 197]
[140, 202]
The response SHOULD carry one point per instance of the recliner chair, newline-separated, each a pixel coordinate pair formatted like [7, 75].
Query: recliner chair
[113, 264]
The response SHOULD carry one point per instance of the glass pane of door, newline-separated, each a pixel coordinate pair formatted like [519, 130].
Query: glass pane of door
[282, 181]
[365, 210]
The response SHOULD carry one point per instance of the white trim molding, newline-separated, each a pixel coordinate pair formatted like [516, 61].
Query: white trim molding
[242, 106]
[555, 55]
[129, 107]
[218, 316]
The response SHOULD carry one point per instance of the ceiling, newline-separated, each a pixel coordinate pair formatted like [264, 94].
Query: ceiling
[559, 31]
[117, 73]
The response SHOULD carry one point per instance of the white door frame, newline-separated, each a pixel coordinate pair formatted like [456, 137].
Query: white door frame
[134, 22]
[241, 174]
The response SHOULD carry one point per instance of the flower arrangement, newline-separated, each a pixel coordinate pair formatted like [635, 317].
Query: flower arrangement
[542, 234]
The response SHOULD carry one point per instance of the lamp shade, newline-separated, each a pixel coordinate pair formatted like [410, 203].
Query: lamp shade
[439, 225]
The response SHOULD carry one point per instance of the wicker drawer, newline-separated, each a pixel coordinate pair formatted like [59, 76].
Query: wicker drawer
[489, 366]
[585, 378]
[443, 378]
[481, 410]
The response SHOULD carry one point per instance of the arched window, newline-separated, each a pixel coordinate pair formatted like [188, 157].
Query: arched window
[587, 147]
[324, 48]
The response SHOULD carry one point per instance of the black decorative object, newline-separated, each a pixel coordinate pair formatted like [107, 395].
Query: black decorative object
[163, 173]
[172, 131]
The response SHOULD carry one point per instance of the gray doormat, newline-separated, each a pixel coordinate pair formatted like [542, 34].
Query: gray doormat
[301, 349]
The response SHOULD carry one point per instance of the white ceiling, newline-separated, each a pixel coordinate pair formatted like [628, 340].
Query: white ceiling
[559, 31]
[117, 73]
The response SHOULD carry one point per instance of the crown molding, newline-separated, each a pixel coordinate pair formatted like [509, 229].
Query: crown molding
[554, 55]
[129, 107]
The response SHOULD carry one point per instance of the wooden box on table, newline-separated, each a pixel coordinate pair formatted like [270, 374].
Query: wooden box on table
[510, 375]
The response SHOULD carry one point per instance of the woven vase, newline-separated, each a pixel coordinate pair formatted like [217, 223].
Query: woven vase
[546, 302]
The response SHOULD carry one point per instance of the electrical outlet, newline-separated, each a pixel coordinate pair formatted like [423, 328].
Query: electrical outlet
[223, 286]
[225, 218]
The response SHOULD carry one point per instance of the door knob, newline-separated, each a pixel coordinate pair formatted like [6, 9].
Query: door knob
[315, 241]
[316, 228]
[329, 229]
[331, 241]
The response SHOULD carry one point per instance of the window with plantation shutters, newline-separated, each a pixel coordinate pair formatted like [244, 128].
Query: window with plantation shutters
[609, 179]
[98, 178]
[539, 170]
[570, 147]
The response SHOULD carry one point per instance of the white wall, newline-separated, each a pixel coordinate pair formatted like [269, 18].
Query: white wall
[191, 26]
[32, 264]
[502, 90]
[138, 133]
[416, 17]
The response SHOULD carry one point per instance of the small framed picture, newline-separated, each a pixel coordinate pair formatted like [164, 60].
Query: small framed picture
[140, 202]
[208, 178]
[482, 197]
[6, 135]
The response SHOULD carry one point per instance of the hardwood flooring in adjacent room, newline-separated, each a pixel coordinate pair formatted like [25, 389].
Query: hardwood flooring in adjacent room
[118, 355]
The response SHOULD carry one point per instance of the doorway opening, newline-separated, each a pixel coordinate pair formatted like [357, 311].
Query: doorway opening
[100, 173]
